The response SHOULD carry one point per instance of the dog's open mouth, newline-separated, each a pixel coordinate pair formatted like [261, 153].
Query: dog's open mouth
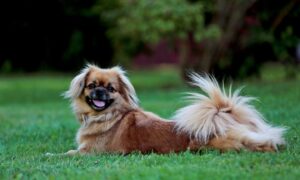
[98, 104]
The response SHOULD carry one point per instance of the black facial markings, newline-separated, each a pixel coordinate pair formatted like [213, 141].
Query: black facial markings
[94, 85]
[91, 86]
[110, 88]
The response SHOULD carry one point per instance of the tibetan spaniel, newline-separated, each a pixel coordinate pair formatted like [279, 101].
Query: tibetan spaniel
[106, 105]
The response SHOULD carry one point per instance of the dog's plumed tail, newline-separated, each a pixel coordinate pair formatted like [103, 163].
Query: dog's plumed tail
[219, 114]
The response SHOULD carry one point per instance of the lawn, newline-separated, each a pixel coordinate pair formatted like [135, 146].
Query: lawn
[35, 119]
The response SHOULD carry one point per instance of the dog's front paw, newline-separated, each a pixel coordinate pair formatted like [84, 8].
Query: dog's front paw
[72, 152]
[69, 153]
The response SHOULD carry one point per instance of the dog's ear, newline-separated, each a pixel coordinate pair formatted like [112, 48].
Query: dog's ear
[127, 88]
[77, 84]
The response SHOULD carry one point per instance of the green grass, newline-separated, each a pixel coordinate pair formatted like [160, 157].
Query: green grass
[35, 119]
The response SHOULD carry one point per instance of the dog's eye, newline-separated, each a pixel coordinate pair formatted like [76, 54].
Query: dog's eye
[91, 86]
[111, 89]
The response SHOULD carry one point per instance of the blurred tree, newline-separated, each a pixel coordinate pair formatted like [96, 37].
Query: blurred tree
[136, 24]
[231, 37]
[227, 37]
[206, 33]
[229, 17]
[278, 28]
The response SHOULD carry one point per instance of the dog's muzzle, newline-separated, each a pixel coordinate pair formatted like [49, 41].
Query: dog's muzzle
[99, 99]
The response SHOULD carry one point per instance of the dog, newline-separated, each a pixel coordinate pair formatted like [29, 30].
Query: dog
[106, 105]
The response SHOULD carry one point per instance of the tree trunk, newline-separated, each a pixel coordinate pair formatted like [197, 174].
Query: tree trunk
[229, 18]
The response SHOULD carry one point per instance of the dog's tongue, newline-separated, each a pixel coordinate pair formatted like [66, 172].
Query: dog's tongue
[99, 103]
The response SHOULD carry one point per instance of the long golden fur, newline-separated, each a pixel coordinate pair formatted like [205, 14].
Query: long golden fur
[105, 103]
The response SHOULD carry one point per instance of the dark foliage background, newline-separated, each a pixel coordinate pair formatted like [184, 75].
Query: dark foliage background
[231, 38]
[51, 34]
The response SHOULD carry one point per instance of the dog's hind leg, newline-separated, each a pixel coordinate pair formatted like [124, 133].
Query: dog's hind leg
[225, 144]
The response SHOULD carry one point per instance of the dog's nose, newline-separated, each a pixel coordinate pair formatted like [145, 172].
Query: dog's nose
[100, 93]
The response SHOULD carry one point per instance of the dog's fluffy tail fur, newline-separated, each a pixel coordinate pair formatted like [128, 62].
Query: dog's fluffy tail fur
[221, 114]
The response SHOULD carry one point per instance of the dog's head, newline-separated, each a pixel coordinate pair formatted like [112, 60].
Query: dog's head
[98, 91]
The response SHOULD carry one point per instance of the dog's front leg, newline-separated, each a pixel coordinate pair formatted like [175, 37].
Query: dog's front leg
[82, 150]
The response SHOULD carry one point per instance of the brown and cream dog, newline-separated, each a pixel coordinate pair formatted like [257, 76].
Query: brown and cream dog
[105, 103]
